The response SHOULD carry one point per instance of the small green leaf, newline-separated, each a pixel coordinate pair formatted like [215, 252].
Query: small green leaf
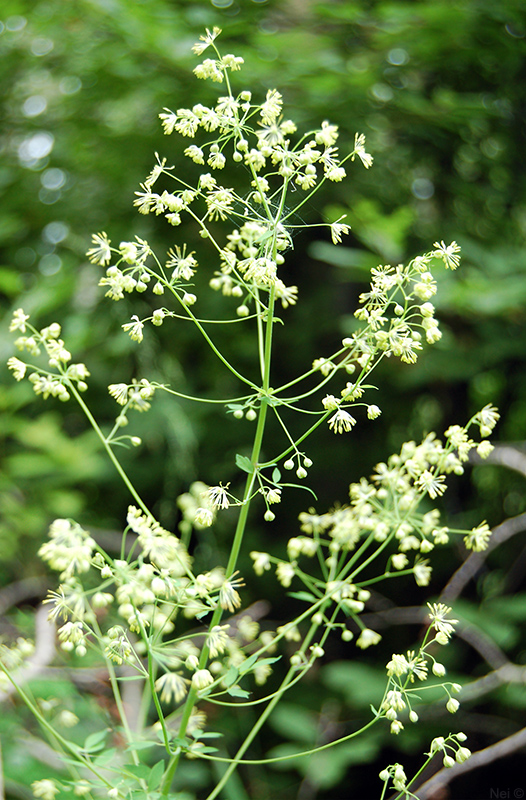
[247, 665]
[139, 771]
[139, 745]
[95, 741]
[276, 475]
[268, 660]
[309, 598]
[231, 677]
[105, 758]
[156, 776]
[236, 691]
[244, 463]
[300, 486]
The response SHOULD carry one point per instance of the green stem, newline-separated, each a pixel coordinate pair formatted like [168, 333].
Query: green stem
[111, 454]
[238, 538]
[262, 719]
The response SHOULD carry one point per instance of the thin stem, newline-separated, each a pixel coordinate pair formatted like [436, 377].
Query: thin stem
[262, 719]
[108, 449]
[236, 544]
[68, 746]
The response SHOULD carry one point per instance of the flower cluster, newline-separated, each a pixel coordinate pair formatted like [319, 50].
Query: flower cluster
[258, 136]
[403, 669]
[385, 511]
[69, 549]
[47, 340]
[452, 750]
[150, 593]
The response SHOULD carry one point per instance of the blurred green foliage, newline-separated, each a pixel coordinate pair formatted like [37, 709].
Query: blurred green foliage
[438, 89]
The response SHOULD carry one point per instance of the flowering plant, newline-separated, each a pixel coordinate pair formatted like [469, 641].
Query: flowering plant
[137, 612]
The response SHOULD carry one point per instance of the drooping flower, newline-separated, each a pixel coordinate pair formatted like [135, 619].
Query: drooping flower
[101, 252]
[134, 328]
[359, 150]
[206, 40]
[447, 253]
[341, 421]
[368, 638]
[171, 684]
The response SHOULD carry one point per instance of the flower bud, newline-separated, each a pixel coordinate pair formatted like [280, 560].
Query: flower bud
[462, 754]
[452, 705]
[201, 679]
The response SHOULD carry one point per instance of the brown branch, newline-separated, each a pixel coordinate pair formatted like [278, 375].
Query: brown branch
[19, 591]
[507, 456]
[471, 566]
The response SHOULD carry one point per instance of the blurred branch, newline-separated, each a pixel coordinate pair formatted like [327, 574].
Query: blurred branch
[507, 456]
[474, 562]
[503, 670]
[19, 591]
